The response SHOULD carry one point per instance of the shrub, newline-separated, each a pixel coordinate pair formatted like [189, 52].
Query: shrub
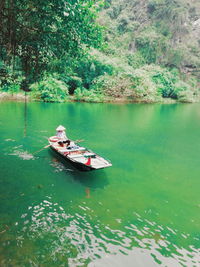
[149, 83]
[151, 45]
[49, 90]
[185, 92]
[82, 94]
[10, 81]
[107, 3]
[165, 82]
[11, 86]
[74, 82]
[117, 85]
[115, 12]
[135, 60]
[123, 25]
[169, 85]
[174, 58]
[89, 69]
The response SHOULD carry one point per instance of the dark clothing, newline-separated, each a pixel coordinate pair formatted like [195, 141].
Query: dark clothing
[61, 143]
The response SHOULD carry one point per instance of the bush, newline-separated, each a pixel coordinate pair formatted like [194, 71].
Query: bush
[174, 58]
[151, 45]
[144, 86]
[185, 92]
[49, 90]
[165, 82]
[91, 68]
[10, 81]
[149, 83]
[12, 86]
[123, 25]
[169, 85]
[135, 60]
[107, 3]
[115, 12]
[82, 94]
[112, 85]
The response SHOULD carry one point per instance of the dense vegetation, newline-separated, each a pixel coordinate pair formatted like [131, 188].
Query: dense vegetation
[143, 50]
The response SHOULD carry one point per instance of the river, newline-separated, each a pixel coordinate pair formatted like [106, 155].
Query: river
[144, 211]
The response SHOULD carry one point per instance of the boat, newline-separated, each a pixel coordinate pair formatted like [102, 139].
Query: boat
[81, 157]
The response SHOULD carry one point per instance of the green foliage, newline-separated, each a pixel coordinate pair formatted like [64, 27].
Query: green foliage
[12, 87]
[155, 81]
[35, 33]
[136, 60]
[55, 36]
[171, 13]
[149, 83]
[174, 58]
[117, 85]
[151, 45]
[165, 82]
[107, 3]
[90, 68]
[186, 92]
[161, 32]
[123, 25]
[10, 82]
[49, 90]
[83, 73]
[115, 11]
[82, 94]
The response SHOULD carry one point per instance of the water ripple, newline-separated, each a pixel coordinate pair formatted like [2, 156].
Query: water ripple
[18, 151]
[81, 239]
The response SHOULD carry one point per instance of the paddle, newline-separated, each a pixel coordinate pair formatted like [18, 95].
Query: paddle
[78, 141]
[40, 149]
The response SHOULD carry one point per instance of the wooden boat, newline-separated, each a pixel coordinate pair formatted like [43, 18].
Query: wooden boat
[81, 157]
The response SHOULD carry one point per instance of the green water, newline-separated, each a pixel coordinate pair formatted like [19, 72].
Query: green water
[143, 211]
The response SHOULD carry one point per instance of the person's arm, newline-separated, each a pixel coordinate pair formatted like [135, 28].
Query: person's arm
[64, 136]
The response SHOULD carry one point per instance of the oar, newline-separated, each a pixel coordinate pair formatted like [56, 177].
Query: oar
[79, 140]
[40, 149]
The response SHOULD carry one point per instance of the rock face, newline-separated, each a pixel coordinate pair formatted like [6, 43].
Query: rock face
[196, 28]
[176, 22]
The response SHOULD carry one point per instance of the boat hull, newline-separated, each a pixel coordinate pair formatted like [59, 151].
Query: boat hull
[80, 157]
[79, 166]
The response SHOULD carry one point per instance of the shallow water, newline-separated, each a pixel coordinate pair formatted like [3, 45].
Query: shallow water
[143, 211]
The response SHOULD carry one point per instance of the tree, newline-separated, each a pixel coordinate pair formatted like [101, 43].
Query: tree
[35, 33]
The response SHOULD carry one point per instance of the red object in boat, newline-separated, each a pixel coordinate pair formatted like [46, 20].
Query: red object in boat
[88, 162]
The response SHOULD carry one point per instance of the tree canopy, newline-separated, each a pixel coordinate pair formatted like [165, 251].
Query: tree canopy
[35, 33]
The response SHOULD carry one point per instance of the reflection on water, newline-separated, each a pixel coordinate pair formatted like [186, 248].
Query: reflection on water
[92, 179]
[59, 166]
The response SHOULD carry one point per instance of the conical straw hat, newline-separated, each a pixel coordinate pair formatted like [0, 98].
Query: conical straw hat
[60, 128]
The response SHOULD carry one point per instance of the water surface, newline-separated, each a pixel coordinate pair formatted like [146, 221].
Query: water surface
[143, 211]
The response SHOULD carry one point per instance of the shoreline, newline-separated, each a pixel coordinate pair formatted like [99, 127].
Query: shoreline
[21, 97]
[18, 97]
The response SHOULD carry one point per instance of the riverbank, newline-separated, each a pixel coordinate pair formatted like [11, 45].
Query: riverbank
[4, 96]
[14, 97]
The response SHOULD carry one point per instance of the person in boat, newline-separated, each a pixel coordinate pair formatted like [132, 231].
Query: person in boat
[63, 139]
